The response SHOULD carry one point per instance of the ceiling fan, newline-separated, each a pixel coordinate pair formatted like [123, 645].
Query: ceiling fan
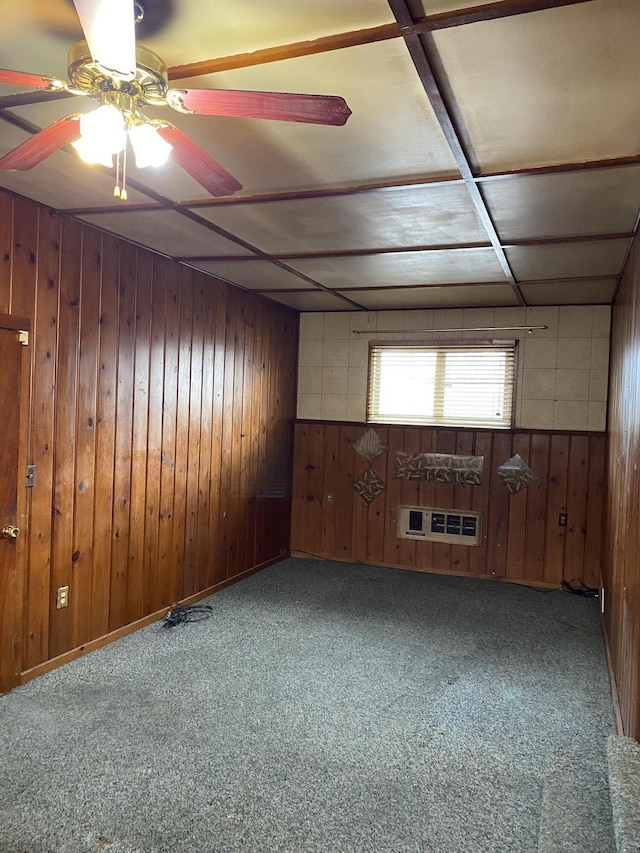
[125, 78]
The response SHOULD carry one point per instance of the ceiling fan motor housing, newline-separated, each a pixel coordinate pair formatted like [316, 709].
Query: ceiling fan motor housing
[149, 85]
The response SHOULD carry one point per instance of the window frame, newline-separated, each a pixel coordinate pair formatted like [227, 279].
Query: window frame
[482, 343]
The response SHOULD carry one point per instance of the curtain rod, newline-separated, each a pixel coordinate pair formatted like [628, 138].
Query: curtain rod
[527, 329]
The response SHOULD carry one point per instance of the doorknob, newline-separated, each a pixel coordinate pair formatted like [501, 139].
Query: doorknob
[10, 532]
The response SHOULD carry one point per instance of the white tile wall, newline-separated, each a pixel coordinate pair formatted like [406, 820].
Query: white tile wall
[562, 375]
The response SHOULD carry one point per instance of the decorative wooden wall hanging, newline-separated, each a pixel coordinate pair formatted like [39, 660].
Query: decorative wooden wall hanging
[370, 445]
[369, 486]
[515, 474]
[439, 468]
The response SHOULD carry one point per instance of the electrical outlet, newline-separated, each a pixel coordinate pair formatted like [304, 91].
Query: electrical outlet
[63, 597]
[562, 519]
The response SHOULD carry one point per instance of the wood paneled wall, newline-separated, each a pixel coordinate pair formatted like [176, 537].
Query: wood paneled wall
[622, 556]
[522, 539]
[160, 424]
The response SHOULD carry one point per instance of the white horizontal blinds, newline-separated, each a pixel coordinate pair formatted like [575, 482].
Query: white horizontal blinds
[463, 385]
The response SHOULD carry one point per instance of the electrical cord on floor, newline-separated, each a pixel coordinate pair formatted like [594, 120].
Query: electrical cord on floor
[577, 587]
[187, 613]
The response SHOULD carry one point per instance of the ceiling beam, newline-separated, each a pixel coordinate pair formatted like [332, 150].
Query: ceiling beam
[332, 192]
[371, 35]
[430, 85]
[402, 250]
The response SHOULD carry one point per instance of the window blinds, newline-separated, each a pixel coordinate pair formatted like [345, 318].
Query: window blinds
[442, 385]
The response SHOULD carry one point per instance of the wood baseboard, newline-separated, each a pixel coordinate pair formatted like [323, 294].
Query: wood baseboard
[615, 696]
[99, 642]
[536, 584]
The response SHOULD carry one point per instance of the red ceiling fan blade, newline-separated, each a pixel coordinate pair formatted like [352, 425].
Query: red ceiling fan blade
[40, 146]
[109, 28]
[197, 162]
[32, 81]
[282, 106]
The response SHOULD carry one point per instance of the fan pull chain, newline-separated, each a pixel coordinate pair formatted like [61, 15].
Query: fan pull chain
[116, 189]
[123, 191]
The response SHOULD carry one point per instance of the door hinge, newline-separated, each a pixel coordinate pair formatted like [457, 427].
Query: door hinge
[31, 476]
[23, 337]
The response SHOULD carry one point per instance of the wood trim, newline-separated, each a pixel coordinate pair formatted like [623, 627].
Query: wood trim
[119, 633]
[340, 41]
[431, 571]
[328, 192]
[418, 53]
[400, 250]
[615, 695]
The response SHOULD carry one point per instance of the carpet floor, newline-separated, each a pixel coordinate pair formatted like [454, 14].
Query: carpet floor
[322, 707]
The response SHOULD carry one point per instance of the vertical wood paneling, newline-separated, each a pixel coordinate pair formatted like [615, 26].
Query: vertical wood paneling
[557, 504]
[39, 300]
[166, 574]
[518, 508]
[375, 511]
[65, 433]
[577, 507]
[178, 550]
[84, 509]
[498, 515]
[6, 251]
[480, 500]
[621, 573]
[203, 531]
[107, 346]
[216, 571]
[121, 532]
[190, 570]
[142, 409]
[136, 579]
[153, 474]
[594, 539]
[520, 531]
[537, 508]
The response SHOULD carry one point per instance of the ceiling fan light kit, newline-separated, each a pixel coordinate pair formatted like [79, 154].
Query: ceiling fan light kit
[124, 77]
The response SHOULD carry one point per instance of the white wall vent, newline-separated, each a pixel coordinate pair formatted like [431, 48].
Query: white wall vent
[461, 527]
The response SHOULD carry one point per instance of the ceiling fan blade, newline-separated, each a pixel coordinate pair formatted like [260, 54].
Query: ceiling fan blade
[109, 28]
[40, 146]
[197, 162]
[282, 106]
[31, 81]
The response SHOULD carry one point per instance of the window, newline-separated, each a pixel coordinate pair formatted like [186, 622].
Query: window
[465, 384]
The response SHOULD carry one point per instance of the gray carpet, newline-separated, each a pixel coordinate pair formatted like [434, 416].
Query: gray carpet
[623, 755]
[322, 707]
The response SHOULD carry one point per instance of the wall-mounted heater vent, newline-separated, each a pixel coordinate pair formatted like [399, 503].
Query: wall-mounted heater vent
[439, 525]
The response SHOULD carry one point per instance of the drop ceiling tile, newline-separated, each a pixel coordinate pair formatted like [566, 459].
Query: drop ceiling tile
[569, 293]
[209, 28]
[255, 275]
[61, 180]
[412, 216]
[547, 87]
[567, 260]
[392, 131]
[403, 268]
[190, 32]
[434, 297]
[165, 231]
[311, 300]
[564, 204]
